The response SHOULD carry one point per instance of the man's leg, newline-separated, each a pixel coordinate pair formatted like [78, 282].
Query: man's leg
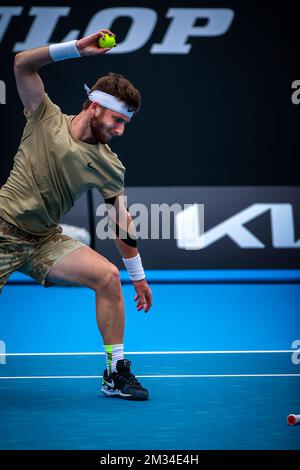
[13, 251]
[87, 267]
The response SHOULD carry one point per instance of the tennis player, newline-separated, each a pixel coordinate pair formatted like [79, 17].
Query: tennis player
[60, 156]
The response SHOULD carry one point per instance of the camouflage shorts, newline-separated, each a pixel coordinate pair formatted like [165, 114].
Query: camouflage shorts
[33, 255]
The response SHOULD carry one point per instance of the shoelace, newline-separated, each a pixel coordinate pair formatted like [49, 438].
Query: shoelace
[128, 377]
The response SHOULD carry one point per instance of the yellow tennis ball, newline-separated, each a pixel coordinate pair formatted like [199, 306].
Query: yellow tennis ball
[107, 41]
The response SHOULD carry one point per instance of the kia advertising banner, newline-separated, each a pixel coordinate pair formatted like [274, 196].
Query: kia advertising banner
[205, 228]
[220, 84]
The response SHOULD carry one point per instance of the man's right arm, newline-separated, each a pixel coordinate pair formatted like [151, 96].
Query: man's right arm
[29, 83]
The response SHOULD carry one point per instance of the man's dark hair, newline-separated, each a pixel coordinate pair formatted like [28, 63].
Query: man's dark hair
[117, 85]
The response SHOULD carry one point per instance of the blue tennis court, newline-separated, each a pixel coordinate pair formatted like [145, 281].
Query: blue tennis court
[217, 352]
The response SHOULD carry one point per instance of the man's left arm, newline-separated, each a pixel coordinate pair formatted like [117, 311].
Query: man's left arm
[122, 225]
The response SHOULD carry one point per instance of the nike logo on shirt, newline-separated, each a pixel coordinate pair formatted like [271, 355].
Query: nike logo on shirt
[92, 167]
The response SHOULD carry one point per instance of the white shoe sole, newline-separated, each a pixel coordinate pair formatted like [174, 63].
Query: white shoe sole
[114, 393]
[117, 393]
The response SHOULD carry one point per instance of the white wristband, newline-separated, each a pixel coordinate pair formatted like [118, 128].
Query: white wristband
[134, 267]
[63, 51]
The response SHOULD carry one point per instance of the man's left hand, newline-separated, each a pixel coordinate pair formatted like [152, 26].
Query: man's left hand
[144, 295]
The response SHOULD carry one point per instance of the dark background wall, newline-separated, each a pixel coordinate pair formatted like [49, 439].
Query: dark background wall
[221, 114]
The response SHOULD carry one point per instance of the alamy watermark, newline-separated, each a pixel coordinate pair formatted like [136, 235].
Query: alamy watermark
[2, 92]
[153, 222]
[2, 352]
[296, 354]
[296, 94]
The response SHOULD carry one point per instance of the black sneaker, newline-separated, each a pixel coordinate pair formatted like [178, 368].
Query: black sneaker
[123, 383]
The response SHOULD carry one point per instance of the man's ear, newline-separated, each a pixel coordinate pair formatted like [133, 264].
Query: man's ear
[97, 110]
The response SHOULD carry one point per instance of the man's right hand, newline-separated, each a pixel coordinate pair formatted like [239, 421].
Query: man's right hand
[89, 44]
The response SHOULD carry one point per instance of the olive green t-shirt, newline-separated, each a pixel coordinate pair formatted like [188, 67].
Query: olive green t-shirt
[52, 169]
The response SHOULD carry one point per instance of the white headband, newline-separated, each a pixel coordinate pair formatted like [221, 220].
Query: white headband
[108, 101]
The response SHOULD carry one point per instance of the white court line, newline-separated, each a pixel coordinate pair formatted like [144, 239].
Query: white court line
[155, 376]
[263, 351]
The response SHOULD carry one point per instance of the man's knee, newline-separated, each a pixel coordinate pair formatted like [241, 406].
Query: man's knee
[109, 280]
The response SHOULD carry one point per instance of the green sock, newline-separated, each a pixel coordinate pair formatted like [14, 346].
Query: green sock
[113, 353]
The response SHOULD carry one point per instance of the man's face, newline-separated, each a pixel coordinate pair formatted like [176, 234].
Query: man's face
[105, 124]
